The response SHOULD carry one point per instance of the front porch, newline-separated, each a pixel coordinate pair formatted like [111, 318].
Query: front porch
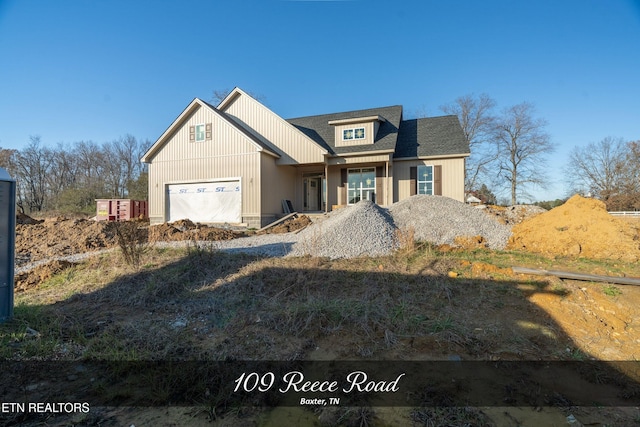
[322, 188]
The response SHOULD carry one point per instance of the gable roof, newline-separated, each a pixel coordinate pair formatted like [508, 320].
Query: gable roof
[293, 145]
[318, 129]
[431, 137]
[182, 119]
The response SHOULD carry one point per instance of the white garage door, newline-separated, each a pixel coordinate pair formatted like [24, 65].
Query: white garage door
[205, 202]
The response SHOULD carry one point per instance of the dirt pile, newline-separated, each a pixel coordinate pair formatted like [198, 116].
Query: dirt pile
[185, 229]
[26, 219]
[512, 215]
[581, 227]
[60, 236]
[293, 224]
[55, 237]
[33, 278]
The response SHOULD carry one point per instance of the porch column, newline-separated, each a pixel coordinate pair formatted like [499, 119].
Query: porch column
[326, 193]
[386, 193]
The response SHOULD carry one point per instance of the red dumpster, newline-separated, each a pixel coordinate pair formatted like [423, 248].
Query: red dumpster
[120, 209]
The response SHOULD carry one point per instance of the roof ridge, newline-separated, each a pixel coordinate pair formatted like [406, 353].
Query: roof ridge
[345, 112]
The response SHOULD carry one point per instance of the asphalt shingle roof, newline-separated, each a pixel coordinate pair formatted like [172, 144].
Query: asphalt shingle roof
[431, 136]
[319, 129]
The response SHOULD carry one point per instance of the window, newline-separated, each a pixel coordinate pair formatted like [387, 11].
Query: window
[349, 134]
[425, 179]
[199, 133]
[361, 185]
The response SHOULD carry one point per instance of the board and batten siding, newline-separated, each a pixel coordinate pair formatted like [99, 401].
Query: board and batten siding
[279, 183]
[293, 146]
[369, 133]
[452, 177]
[338, 191]
[229, 154]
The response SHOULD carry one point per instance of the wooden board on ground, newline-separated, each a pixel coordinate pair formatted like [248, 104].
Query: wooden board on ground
[278, 221]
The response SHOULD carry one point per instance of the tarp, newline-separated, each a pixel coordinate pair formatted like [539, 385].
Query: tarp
[205, 202]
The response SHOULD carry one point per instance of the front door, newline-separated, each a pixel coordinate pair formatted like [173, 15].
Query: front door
[313, 193]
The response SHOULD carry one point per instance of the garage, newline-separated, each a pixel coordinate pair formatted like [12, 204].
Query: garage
[207, 202]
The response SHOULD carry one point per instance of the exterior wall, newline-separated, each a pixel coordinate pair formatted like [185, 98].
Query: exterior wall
[384, 189]
[357, 160]
[293, 146]
[278, 183]
[298, 200]
[452, 177]
[228, 155]
[333, 186]
[369, 133]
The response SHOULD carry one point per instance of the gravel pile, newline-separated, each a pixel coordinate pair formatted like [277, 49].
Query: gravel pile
[364, 229]
[439, 220]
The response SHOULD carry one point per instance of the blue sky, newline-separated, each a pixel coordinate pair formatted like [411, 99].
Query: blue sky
[97, 70]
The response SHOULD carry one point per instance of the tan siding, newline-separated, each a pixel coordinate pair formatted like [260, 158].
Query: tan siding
[368, 134]
[228, 155]
[292, 145]
[333, 184]
[359, 159]
[226, 140]
[383, 184]
[278, 183]
[452, 177]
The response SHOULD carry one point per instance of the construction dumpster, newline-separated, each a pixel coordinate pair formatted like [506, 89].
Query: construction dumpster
[121, 209]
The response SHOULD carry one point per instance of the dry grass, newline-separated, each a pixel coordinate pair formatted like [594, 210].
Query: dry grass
[194, 303]
[201, 304]
[133, 241]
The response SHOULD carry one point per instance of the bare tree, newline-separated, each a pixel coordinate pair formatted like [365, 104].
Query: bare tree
[478, 123]
[63, 171]
[32, 166]
[220, 94]
[608, 170]
[521, 146]
[6, 159]
[597, 168]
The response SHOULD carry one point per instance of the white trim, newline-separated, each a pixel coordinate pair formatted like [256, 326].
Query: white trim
[237, 92]
[204, 132]
[356, 120]
[361, 187]
[360, 153]
[446, 156]
[353, 132]
[182, 118]
[418, 181]
[197, 181]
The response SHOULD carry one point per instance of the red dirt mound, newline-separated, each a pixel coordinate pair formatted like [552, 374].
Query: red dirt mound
[581, 227]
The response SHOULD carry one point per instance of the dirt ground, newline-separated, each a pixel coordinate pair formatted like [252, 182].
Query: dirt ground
[483, 312]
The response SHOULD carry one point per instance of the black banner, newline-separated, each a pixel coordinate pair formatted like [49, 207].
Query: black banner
[357, 383]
